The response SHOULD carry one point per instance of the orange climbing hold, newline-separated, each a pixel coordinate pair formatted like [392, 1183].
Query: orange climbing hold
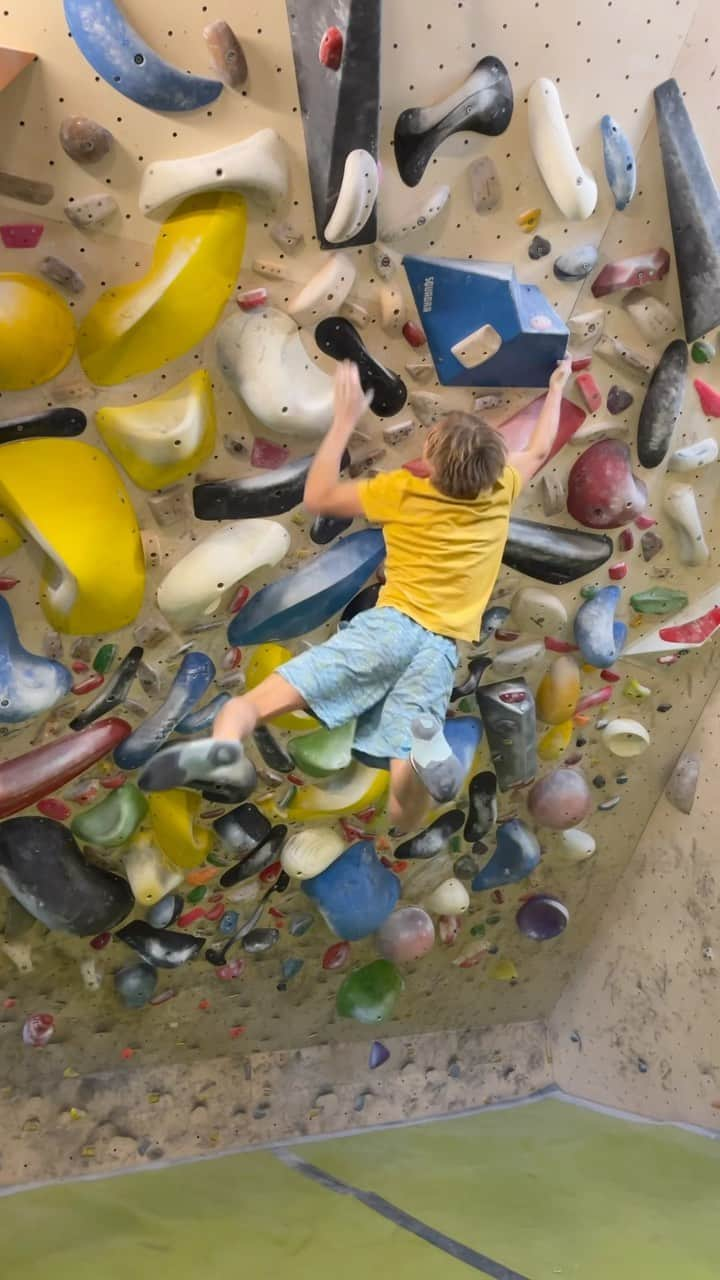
[558, 691]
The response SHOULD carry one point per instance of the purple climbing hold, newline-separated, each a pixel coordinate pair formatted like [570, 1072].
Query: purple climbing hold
[542, 918]
[379, 1053]
[618, 400]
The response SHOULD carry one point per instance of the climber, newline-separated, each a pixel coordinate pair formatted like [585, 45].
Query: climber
[392, 667]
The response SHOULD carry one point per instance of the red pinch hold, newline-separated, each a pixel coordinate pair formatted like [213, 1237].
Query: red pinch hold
[709, 398]
[413, 334]
[21, 235]
[618, 571]
[251, 299]
[558, 646]
[331, 49]
[590, 391]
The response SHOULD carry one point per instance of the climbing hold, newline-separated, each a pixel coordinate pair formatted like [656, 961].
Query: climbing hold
[113, 821]
[555, 741]
[618, 400]
[356, 199]
[652, 317]
[588, 327]
[21, 235]
[419, 215]
[620, 167]
[272, 750]
[197, 584]
[575, 844]
[603, 493]
[559, 690]
[118, 54]
[299, 603]
[483, 104]
[625, 738]
[662, 405]
[166, 911]
[369, 994]
[682, 784]
[84, 140]
[38, 1030]
[682, 511]
[27, 778]
[193, 678]
[262, 861]
[709, 398]
[325, 292]
[476, 668]
[650, 544]
[517, 853]
[136, 328]
[165, 439]
[518, 429]
[589, 390]
[265, 659]
[91, 211]
[572, 187]
[533, 337]
[160, 947]
[406, 935]
[149, 876]
[538, 248]
[114, 692]
[517, 659]
[529, 220]
[257, 167]
[629, 273]
[242, 829]
[702, 352]
[27, 189]
[41, 866]
[355, 893]
[29, 684]
[482, 807]
[325, 528]
[660, 600]
[226, 54]
[331, 49]
[450, 898]
[542, 918]
[508, 714]
[434, 839]
[598, 635]
[690, 629]
[694, 456]
[173, 817]
[135, 984]
[575, 264]
[560, 799]
[338, 338]
[325, 751]
[263, 495]
[37, 332]
[336, 956]
[350, 791]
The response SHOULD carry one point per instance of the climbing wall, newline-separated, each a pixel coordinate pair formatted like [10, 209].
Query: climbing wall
[154, 376]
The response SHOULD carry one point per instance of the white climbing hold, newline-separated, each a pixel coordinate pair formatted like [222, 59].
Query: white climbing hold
[271, 269]
[325, 293]
[514, 660]
[694, 456]
[484, 184]
[356, 313]
[572, 187]
[91, 211]
[682, 510]
[587, 327]
[618, 353]
[257, 166]
[451, 898]
[591, 431]
[682, 784]
[427, 407]
[625, 738]
[577, 845]
[308, 852]
[392, 310]
[652, 317]
[149, 875]
[263, 358]
[196, 586]
[477, 347]
[386, 260]
[418, 216]
[533, 610]
[356, 199]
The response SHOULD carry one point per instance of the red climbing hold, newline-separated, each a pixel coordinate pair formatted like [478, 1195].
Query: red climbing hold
[235, 1032]
[331, 49]
[594, 699]
[53, 808]
[240, 599]
[190, 917]
[87, 686]
[626, 541]
[644, 522]
[618, 571]
[413, 334]
[631, 273]
[589, 390]
[553, 645]
[695, 632]
[267, 454]
[112, 783]
[38, 1029]
[251, 299]
[271, 873]
[709, 398]
[216, 912]
[611, 676]
[78, 666]
[100, 941]
[7, 584]
[336, 956]
[580, 363]
[21, 235]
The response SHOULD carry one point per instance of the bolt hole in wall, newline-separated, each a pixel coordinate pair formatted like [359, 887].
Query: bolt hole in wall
[218, 279]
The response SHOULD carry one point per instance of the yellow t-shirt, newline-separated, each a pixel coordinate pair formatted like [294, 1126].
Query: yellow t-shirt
[443, 554]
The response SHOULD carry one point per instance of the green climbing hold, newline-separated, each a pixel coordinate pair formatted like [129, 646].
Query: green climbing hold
[112, 822]
[589, 591]
[702, 352]
[369, 994]
[104, 658]
[478, 931]
[324, 751]
[197, 895]
[660, 600]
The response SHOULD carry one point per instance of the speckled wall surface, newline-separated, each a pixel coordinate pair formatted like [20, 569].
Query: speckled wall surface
[604, 58]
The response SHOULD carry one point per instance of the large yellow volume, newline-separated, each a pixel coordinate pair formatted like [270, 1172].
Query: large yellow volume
[265, 659]
[10, 539]
[163, 440]
[136, 328]
[37, 332]
[351, 791]
[70, 500]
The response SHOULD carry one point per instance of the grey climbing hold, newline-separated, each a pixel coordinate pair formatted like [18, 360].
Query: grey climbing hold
[135, 984]
[662, 405]
[682, 784]
[84, 140]
[576, 263]
[226, 54]
[539, 248]
[62, 273]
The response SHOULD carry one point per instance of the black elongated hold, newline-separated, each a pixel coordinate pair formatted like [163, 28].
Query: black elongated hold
[242, 829]
[260, 940]
[482, 809]
[508, 715]
[365, 599]
[43, 868]
[268, 494]
[113, 693]
[161, 948]
[340, 339]
[325, 528]
[272, 750]
[257, 861]
[662, 404]
[476, 667]
[434, 839]
[550, 553]
[483, 104]
[166, 911]
[53, 422]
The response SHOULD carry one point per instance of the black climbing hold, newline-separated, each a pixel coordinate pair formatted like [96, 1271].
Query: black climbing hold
[166, 911]
[325, 528]
[272, 750]
[268, 494]
[242, 829]
[114, 693]
[365, 599]
[54, 422]
[160, 947]
[340, 339]
[662, 404]
[258, 860]
[434, 839]
[554, 554]
[482, 806]
[539, 247]
[598, 781]
[476, 668]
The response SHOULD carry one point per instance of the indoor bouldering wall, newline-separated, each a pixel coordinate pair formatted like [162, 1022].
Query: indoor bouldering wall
[170, 325]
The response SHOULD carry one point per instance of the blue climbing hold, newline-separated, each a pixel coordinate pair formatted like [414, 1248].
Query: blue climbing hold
[356, 893]
[620, 167]
[29, 683]
[598, 635]
[193, 678]
[379, 1053]
[202, 719]
[517, 853]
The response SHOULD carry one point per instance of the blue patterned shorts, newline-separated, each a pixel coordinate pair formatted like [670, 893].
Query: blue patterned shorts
[382, 669]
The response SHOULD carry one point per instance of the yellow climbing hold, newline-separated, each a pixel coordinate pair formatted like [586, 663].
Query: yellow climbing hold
[350, 791]
[163, 440]
[10, 539]
[555, 741]
[558, 692]
[263, 662]
[503, 971]
[529, 220]
[632, 688]
[37, 332]
[173, 815]
[70, 500]
[136, 328]
[148, 873]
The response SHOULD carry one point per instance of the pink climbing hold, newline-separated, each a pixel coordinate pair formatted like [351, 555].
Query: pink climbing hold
[449, 930]
[231, 970]
[38, 1029]
[618, 571]
[644, 522]
[251, 299]
[611, 676]
[603, 493]
[50, 807]
[267, 454]
[190, 917]
[560, 800]
[518, 429]
[709, 398]
[331, 49]
[413, 334]
[631, 273]
[21, 235]
[596, 698]
[589, 390]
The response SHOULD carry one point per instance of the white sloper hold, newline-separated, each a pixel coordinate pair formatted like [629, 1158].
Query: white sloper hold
[576, 844]
[262, 356]
[308, 852]
[356, 200]
[682, 511]
[533, 610]
[625, 738]
[572, 187]
[394, 228]
[694, 456]
[257, 166]
[195, 586]
[514, 660]
[477, 347]
[325, 292]
[652, 317]
[90, 211]
[451, 898]
[587, 327]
